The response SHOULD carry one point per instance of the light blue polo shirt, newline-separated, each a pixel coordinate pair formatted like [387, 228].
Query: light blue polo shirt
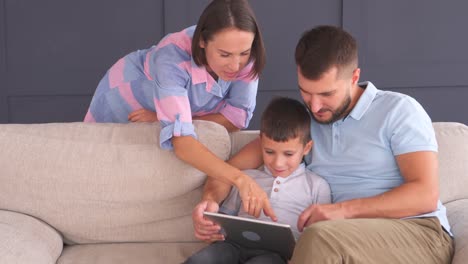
[356, 155]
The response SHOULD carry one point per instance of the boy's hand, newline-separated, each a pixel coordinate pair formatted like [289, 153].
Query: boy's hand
[206, 229]
[142, 115]
[254, 199]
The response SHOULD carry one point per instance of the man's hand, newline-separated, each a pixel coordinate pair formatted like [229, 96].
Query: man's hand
[142, 115]
[206, 229]
[320, 212]
[254, 199]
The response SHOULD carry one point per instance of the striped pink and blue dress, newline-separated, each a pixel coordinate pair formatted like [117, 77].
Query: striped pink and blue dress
[165, 79]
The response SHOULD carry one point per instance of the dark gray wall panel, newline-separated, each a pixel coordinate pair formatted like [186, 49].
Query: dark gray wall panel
[282, 23]
[180, 14]
[64, 46]
[415, 48]
[410, 43]
[3, 91]
[47, 109]
[441, 103]
[264, 97]
[55, 50]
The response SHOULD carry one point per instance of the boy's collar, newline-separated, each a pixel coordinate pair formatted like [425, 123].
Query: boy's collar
[299, 170]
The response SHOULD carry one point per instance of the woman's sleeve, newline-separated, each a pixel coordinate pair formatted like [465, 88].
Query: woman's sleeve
[241, 99]
[171, 101]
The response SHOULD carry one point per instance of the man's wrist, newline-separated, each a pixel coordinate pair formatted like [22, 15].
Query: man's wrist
[348, 209]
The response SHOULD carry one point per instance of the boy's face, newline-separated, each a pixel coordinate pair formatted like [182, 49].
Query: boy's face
[283, 158]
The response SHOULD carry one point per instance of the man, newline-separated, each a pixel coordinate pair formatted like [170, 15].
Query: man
[377, 150]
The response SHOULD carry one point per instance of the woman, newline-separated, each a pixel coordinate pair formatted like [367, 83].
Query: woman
[208, 72]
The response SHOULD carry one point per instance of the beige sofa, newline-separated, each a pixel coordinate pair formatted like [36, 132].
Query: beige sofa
[105, 193]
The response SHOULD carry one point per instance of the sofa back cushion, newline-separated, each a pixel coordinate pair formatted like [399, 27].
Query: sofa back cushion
[103, 182]
[453, 160]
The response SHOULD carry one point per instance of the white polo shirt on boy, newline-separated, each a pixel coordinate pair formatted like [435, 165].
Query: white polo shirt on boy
[289, 196]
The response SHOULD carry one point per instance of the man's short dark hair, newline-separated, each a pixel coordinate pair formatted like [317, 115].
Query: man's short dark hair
[285, 119]
[323, 48]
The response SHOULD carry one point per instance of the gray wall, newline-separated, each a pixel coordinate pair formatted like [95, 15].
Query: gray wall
[54, 52]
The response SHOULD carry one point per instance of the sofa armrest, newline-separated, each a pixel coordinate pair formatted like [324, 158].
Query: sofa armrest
[457, 213]
[25, 239]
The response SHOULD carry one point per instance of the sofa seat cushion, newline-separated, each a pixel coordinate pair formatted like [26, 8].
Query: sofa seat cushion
[123, 253]
[103, 182]
[25, 239]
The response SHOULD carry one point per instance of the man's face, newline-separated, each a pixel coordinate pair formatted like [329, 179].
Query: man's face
[328, 98]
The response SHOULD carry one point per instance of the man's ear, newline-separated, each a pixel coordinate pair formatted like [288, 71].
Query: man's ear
[308, 147]
[356, 75]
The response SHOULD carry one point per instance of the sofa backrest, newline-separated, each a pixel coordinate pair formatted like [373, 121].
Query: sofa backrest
[103, 182]
[111, 182]
[453, 160]
[452, 139]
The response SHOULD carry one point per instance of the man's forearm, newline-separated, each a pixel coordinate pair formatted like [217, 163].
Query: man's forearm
[197, 155]
[249, 157]
[215, 190]
[406, 200]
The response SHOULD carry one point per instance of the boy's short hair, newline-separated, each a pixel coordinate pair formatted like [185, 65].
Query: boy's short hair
[284, 119]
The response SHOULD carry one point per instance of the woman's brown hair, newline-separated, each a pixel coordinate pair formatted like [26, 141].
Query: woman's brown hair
[223, 14]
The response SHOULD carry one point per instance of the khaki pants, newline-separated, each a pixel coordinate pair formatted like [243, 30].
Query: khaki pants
[417, 240]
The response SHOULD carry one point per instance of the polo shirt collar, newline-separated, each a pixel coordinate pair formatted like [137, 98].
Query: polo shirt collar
[299, 171]
[364, 102]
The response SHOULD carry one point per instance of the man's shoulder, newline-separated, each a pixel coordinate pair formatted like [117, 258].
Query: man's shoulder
[395, 99]
[389, 107]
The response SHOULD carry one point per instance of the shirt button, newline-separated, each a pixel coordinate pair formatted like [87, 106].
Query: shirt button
[278, 182]
[276, 190]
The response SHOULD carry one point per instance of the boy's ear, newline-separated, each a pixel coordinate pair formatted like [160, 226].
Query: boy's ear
[308, 147]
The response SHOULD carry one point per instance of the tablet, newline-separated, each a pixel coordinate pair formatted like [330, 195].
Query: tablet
[253, 233]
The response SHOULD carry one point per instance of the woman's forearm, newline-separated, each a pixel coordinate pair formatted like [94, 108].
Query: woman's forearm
[222, 175]
[197, 155]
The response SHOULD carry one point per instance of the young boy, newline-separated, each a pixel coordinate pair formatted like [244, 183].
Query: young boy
[285, 140]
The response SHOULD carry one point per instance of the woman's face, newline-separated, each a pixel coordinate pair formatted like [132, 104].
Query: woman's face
[228, 52]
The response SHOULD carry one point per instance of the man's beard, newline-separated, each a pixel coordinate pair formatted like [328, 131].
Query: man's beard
[337, 114]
